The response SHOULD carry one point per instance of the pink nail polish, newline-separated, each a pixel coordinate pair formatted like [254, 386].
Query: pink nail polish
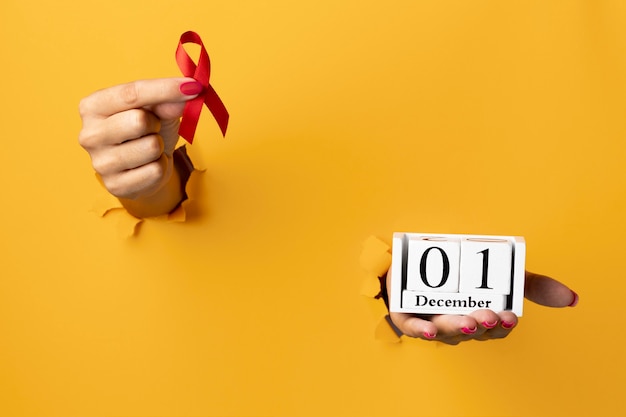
[191, 88]
[467, 330]
[429, 336]
[489, 325]
[574, 301]
[507, 325]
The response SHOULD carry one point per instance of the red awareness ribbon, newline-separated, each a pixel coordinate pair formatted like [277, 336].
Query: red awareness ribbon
[201, 73]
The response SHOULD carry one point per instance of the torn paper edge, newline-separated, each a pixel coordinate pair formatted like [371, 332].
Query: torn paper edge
[375, 259]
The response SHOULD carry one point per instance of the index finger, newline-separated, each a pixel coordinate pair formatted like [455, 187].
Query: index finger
[133, 95]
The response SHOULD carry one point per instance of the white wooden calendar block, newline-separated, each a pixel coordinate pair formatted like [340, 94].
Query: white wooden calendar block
[486, 265]
[453, 302]
[456, 274]
[433, 264]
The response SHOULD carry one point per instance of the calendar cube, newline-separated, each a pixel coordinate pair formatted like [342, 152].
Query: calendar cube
[486, 266]
[433, 264]
[456, 274]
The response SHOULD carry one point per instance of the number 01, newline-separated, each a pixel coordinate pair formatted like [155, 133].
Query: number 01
[445, 273]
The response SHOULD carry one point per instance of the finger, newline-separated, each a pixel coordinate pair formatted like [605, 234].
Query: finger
[486, 319]
[414, 326]
[449, 325]
[507, 322]
[168, 111]
[134, 95]
[142, 181]
[549, 292]
[128, 155]
[129, 124]
[118, 128]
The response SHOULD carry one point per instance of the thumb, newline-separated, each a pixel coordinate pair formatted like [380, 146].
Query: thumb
[169, 134]
[549, 292]
[168, 111]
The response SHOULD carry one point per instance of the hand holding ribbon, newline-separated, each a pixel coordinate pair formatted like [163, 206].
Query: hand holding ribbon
[208, 96]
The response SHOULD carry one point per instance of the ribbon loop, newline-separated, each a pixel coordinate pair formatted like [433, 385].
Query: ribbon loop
[201, 73]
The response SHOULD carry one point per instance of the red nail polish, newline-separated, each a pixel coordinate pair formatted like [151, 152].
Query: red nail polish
[191, 88]
[429, 336]
[574, 301]
[507, 325]
[489, 325]
[467, 330]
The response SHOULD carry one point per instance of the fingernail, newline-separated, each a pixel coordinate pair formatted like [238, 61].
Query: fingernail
[574, 301]
[467, 330]
[489, 325]
[507, 324]
[191, 88]
[429, 336]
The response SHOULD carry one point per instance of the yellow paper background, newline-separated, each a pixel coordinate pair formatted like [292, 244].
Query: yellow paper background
[348, 119]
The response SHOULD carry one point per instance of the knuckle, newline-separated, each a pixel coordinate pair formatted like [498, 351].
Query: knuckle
[86, 139]
[154, 146]
[85, 106]
[116, 187]
[90, 137]
[134, 183]
[142, 122]
[142, 118]
[151, 176]
[138, 121]
[154, 172]
[129, 94]
[102, 165]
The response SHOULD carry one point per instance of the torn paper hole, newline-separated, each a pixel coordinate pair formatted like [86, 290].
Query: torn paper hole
[375, 259]
[375, 256]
